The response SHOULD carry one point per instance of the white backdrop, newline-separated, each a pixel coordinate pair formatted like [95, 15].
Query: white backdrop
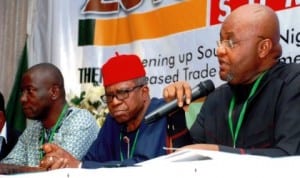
[176, 39]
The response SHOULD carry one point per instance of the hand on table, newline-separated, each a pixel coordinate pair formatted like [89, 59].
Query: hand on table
[56, 157]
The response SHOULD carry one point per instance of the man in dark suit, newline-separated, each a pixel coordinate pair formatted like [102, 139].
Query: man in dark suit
[8, 136]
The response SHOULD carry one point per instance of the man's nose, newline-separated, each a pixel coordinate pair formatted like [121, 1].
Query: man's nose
[23, 98]
[221, 50]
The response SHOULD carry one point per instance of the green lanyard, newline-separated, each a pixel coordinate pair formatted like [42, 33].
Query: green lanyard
[133, 146]
[53, 130]
[235, 133]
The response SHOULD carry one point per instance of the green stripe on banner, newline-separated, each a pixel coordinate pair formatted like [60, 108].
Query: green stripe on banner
[14, 112]
[86, 32]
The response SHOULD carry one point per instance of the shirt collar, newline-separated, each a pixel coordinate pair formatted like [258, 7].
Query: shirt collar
[3, 133]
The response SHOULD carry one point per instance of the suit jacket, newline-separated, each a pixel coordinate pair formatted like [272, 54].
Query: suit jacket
[12, 138]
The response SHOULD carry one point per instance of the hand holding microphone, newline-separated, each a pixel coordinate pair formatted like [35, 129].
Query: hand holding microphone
[179, 90]
[200, 90]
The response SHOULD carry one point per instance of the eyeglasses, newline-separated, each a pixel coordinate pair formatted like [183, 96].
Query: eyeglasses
[120, 94]
[230, 43]
[226, 43]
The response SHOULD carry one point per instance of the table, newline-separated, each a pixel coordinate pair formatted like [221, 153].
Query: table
[186, 164]
[14, 169]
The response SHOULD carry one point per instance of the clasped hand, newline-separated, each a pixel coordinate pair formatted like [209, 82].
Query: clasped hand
[56, 157]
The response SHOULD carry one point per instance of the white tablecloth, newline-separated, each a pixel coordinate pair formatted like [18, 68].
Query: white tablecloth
[186, 164]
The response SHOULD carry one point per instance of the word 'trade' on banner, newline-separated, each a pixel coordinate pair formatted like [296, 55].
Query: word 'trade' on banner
[176, 39]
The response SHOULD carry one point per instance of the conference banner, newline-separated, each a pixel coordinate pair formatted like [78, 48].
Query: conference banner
[175, 39]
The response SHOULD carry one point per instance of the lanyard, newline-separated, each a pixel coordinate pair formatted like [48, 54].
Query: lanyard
[133, 146]
[53, 130]
[234, 133]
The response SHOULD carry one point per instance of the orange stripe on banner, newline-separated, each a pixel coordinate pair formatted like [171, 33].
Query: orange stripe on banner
[187, 15]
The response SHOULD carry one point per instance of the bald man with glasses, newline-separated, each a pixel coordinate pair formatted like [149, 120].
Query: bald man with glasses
[257, 110]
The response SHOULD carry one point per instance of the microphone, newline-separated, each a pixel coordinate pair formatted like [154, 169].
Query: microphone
[200, 90]
[127, 141]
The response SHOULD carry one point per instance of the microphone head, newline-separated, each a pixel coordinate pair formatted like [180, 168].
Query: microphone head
[203, 89]
[207, 85]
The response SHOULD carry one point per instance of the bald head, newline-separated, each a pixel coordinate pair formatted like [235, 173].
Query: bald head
[259, 19]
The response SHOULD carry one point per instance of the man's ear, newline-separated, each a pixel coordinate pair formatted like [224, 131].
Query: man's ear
[264, 47]
[54, 92]
[145, 90]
